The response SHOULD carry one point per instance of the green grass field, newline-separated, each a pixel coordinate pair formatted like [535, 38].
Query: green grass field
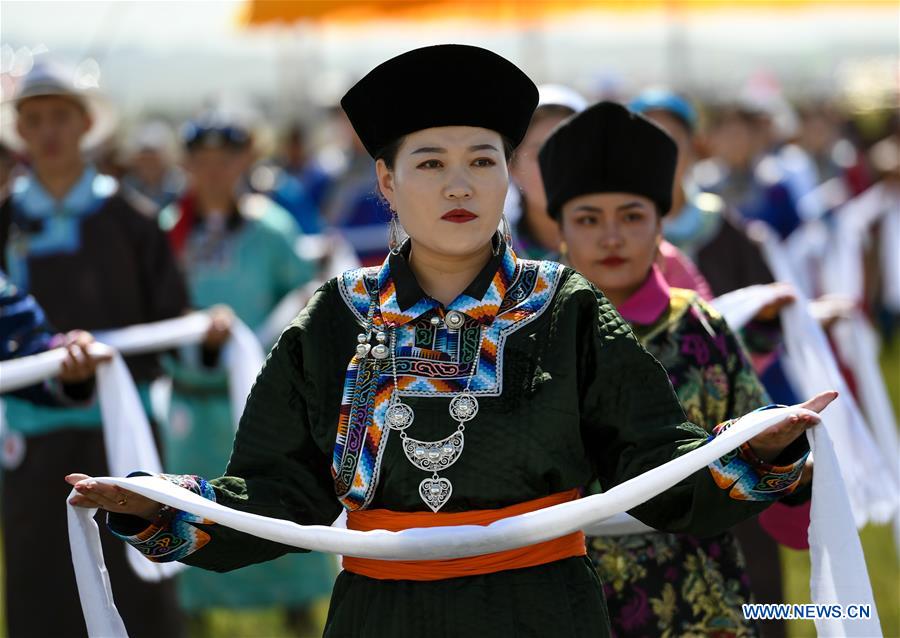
[877, 542]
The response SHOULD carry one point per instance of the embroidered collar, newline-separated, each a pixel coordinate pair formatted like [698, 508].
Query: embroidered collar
[649, 301]
[401, 299]
[84, 197]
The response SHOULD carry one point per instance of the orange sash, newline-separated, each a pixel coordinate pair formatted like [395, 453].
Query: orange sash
[539, 554]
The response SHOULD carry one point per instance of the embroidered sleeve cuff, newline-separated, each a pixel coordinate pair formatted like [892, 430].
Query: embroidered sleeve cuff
[749, 478]
[172, 536]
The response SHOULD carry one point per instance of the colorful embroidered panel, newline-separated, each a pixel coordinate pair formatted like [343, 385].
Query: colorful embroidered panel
[172, 536]
[750, 479]
[431, 360]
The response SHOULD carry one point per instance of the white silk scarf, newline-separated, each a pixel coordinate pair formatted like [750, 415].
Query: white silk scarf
[839, 571]
[811, 368]
[127, 435]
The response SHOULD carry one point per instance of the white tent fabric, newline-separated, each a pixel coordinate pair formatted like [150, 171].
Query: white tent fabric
[828, 532]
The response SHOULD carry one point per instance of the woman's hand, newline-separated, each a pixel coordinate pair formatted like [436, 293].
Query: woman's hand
[78, 365]
[220, 326]
[785, 297]
[829, 309]
[769, 444]
[111, 498]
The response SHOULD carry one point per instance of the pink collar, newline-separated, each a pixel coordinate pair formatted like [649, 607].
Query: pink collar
[649, 301]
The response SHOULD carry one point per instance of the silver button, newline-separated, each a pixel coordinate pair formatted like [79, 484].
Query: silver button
[454, 320]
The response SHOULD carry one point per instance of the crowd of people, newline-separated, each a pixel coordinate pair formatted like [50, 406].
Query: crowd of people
[100, 231]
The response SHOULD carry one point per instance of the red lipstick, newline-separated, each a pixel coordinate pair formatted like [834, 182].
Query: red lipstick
[613, 261]
[459, 216]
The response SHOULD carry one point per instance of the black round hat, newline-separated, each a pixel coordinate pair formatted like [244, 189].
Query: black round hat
[443, 85]
[608, 149]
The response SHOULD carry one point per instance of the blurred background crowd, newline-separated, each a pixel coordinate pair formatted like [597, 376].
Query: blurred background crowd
[784, 112]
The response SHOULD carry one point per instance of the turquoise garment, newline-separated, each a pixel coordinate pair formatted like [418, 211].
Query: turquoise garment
[251, 267]
[60, 219]
[247, 262]
[32, 420]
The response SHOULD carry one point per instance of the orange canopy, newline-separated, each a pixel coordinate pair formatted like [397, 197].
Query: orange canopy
[261, 12]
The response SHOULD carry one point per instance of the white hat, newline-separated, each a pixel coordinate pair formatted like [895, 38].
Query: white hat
[154, 135]
[49, 78]
[559, 95]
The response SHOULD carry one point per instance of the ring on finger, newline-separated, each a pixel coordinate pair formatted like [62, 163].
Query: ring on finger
[122, 501]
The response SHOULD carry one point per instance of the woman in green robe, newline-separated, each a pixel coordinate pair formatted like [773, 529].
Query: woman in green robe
[656, 584]
[544, 382]
[235, 251]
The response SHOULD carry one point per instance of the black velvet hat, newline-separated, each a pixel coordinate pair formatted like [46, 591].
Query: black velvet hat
[444, 85]
[608, 149]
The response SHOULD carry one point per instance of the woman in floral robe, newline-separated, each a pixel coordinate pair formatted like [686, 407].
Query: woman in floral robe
[656, 584]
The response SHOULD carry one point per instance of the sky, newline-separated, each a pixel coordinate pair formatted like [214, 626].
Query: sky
[167, 57]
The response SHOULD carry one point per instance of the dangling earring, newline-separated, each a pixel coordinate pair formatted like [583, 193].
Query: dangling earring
[504, 232]
[395, 236]
[505, 229]
[563, 251]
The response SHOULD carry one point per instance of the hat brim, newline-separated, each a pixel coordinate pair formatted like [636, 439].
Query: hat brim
[104, 118]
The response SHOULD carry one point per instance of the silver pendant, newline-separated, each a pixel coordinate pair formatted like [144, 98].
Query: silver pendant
[399, 415]
[463, 407]
[380, 351]
[434, 456]
[435, 491]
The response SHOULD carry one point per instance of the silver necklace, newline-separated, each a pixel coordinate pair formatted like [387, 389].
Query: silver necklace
[433, 456]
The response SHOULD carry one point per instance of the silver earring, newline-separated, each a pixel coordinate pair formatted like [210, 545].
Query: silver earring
[395, 236]
[505, 229]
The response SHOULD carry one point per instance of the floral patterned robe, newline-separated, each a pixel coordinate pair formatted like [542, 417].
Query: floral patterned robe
[661, 584]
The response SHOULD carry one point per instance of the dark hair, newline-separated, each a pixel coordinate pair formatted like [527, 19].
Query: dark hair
[389, 153]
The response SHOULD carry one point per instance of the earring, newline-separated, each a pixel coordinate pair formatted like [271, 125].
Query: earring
[563, 250]
[395, 235]
[505, 229]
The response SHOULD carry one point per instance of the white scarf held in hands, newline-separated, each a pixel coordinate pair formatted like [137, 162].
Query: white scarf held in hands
[127, 436]
[839, 571]
[810, 365]
[242, 356]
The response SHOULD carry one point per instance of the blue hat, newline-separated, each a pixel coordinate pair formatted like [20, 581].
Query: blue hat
[214, 129]
[659, 99]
